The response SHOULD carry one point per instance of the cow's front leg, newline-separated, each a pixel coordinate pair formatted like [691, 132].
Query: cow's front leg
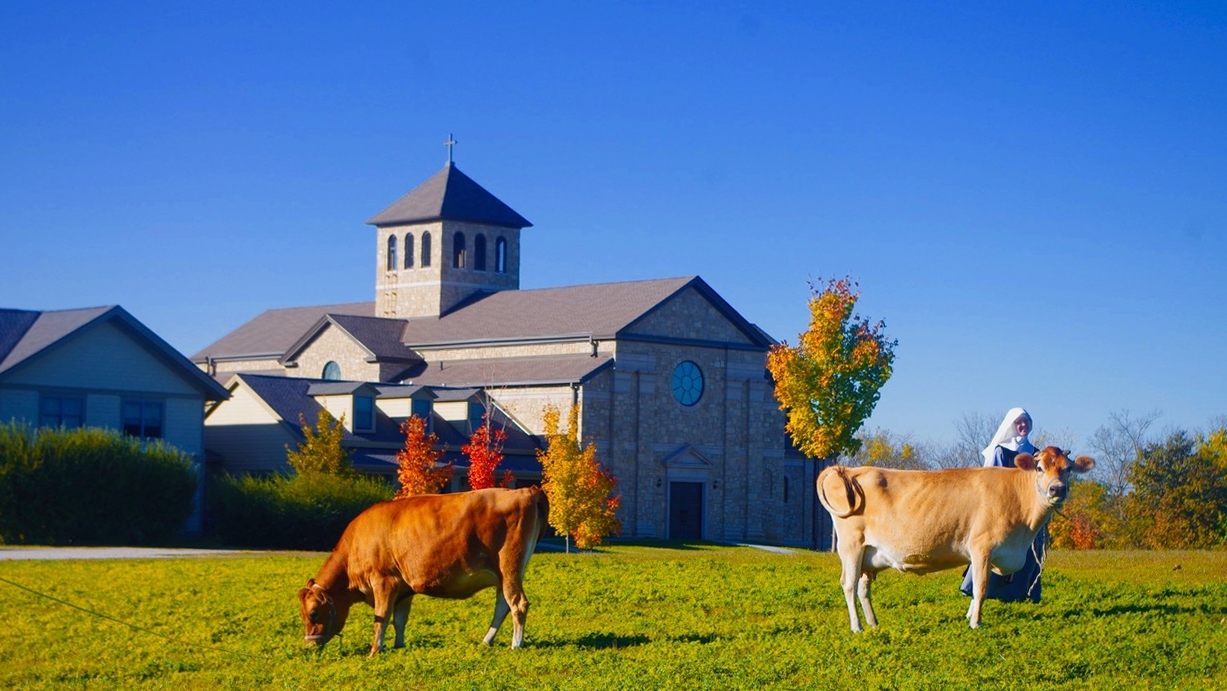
[400, 615]
[384, 597]
[501, 608]
[979, 589]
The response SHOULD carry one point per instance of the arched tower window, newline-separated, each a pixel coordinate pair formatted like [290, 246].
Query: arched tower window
[332, 371]
[391, 264]
[408, 250]
[479, 252]
[459, 258]
[426, 248]
[500, 255]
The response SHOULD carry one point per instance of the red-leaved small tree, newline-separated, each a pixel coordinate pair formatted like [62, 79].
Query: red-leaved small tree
[485, 452]
[416, 462]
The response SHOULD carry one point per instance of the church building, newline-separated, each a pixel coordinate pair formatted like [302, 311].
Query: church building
[670, 380]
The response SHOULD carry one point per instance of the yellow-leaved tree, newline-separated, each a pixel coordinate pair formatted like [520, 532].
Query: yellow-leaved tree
[321, 450]
[829, 382]
[580, 491]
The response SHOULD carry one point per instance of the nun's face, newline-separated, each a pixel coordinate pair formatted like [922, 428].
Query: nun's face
[1022, 426]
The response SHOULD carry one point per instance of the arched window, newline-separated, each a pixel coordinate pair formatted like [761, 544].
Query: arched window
[408, 250]
[391, 265]
[332, 371]
[479, 252]
[785, 490]
[426, 248]
[459, 258]
[500, 255]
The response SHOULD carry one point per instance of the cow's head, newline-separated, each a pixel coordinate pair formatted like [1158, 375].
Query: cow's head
[1052, 467]
[319, 614]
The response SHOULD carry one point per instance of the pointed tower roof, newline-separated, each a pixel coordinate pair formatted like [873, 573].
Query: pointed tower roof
[450, 195]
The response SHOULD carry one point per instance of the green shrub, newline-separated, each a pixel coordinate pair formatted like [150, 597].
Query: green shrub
[90, 486]
[304, 511]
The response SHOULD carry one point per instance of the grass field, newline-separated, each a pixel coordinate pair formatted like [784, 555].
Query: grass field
[630, 616]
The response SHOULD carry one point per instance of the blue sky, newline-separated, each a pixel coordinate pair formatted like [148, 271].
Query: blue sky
[1032, 196]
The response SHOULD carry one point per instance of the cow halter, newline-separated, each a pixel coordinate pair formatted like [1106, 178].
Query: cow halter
[332, 617]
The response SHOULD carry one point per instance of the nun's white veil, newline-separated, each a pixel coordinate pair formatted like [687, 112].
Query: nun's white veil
[1007, 437]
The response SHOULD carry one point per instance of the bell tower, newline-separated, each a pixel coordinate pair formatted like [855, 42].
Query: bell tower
[441, 243]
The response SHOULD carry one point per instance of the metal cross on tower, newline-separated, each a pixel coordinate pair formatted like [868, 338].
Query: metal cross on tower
[451, 141]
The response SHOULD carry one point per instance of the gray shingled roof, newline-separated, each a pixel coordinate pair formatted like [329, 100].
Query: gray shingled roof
[523, 371]
[25, 334]
[275, 331]
[449, 195]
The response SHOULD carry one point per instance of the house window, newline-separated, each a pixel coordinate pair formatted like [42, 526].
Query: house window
[408, 251]
[391, 265]
[426, 249]
[421, 407]
[479, 252]
[332, 371]
[459, 258]
[364, 413]
[142, 419]
[61, 411]
[477, 413]
[500, 255]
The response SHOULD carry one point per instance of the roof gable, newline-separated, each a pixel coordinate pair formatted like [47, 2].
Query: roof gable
[378, 336]
[273, 332]
[449, 195]
[55, 344]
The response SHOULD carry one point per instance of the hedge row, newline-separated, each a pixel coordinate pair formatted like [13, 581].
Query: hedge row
[304, 511]
[90, 486]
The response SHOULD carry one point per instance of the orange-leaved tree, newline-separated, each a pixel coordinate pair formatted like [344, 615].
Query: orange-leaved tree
[485, 452]
[829, 382]
[582, 503]
[417, 470]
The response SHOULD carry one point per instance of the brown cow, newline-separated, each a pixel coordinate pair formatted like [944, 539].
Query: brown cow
[929, 520]
[442, 545]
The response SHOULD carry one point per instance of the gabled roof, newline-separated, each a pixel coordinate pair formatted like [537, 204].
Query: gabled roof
[26, 334]
[520, 371]
[449, 195]
[379, 336]
[599, 311]
[272, 333]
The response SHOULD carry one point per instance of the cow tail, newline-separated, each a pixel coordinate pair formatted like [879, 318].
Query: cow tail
[543, 514]
[850, 488]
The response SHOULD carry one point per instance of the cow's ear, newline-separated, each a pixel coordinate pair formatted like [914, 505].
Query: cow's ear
[1083, 464]
[1025, 461]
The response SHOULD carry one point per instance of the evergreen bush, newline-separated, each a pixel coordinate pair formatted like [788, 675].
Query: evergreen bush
[90, 486]
[308, 510]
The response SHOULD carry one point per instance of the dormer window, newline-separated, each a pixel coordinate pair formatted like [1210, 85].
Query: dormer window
[391, 264]
[364, 414]
[421, 407]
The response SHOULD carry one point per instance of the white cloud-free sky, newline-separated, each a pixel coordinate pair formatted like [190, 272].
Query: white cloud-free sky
[1033, 197]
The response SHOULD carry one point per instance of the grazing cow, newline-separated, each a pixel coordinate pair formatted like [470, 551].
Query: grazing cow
[442, 545]
[926, 520]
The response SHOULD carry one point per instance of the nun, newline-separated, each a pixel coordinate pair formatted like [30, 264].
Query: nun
[1024, 584]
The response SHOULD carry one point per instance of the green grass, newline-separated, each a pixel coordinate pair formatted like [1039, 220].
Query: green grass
[630, 616]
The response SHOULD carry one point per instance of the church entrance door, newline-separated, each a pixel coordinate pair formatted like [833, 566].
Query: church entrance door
[685, 510]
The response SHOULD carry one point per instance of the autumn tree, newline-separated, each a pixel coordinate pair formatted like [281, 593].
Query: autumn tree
[485, 452]
[417, 469]
[1179, 498]
[580, 491]
[829, 383]
[883, 449]
[321, 450]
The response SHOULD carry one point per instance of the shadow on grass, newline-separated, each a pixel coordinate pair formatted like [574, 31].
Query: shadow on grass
[595, 641]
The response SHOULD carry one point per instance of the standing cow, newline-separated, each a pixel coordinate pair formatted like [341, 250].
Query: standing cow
[929, 520]
[442, 545]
